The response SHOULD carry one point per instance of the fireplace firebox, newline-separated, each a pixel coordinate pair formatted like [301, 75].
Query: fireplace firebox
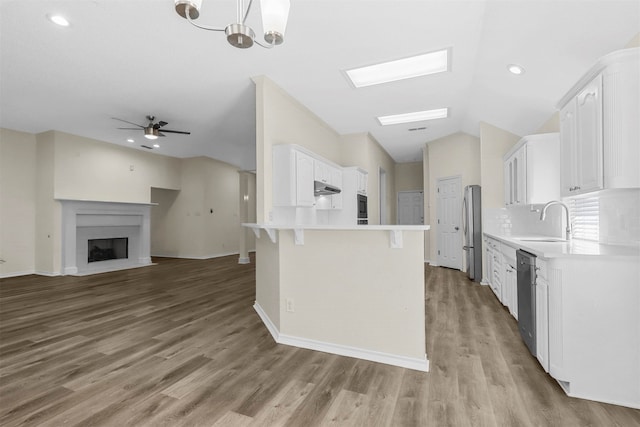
[107, 249]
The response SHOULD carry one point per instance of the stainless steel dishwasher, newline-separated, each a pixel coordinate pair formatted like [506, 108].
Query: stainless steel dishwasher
[526, 268]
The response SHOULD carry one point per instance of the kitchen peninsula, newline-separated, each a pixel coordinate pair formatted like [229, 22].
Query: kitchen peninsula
[351, 290]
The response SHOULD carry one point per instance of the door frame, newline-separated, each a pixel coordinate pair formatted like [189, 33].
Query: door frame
[458, 215]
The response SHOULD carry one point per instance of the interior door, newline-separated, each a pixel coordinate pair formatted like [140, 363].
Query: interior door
[448, 222]
[410, 208]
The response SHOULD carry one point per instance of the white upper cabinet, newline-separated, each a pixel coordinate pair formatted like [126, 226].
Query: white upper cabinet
[581, 122]
[532, 170]
[599, 127]
[293, 173]
[362, 182]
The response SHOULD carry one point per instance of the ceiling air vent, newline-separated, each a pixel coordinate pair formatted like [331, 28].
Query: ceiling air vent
[415, 129]
[147, 147]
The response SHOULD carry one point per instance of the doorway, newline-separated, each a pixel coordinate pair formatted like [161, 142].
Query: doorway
[410, 207]
[449, 245]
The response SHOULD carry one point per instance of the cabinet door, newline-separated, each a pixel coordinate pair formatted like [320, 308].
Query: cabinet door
[322, 172]
[304, 180]
[589, 136]
[520, 175]
[542, 322]
[507, 183]
[568, 149]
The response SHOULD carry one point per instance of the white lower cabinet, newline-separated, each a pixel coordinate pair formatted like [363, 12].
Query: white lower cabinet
[493, 259]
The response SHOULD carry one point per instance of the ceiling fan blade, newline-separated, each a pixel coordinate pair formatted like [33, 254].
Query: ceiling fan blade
[131, 123]
[176, 131]
[162, 123]
[161, 134]
[130, 128]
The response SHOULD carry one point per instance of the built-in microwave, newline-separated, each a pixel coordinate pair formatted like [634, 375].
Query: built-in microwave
[363, 215]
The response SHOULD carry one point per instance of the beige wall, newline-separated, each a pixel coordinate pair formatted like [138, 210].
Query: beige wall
[48, 212]
[494, 143]
[280, 119]
[363, 151]
[372, 297]
[93, 170]
[37, 169]
[409, 176]
[634, 42]
[456, 154]
[427, 202]
[17, 202]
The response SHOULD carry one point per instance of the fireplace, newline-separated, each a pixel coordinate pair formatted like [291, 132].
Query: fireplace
[104, 236]
[106, 249]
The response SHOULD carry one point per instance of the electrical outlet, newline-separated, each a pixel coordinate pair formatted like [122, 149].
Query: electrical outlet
[290, 306]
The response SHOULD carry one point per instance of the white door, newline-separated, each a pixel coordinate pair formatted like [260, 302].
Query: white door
[448, 222]
[410, 208]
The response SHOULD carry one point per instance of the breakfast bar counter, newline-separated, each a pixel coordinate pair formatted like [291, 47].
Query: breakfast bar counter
[356, 291]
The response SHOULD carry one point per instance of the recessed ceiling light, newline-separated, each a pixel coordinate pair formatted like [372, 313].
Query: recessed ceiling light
[130, 140]
[416, 116]
[515, 69]
[58, 20]
[415, 66]
[156, 146]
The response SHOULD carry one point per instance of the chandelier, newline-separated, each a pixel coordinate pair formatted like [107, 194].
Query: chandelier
[274, 22]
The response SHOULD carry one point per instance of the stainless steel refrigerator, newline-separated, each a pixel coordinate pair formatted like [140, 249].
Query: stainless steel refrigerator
[472, 231]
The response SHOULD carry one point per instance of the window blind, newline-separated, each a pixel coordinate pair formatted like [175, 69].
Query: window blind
[585, 218]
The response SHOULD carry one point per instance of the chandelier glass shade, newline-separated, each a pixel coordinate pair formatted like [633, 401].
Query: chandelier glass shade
[275, 14]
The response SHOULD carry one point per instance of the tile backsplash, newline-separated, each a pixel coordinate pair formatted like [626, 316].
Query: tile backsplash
[619, 218]
[524, 220]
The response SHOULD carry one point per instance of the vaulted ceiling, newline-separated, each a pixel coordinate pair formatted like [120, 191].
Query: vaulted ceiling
[130, 59]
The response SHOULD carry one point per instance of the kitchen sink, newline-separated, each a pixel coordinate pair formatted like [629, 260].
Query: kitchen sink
[543, 239]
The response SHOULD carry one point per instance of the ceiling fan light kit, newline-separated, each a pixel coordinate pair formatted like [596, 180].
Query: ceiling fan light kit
[275, 14]
[152, 130]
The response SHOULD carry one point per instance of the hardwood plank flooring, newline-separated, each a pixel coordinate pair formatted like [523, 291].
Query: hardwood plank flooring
[179, 344]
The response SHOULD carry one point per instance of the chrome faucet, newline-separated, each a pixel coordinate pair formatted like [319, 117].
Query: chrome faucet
[543, 214]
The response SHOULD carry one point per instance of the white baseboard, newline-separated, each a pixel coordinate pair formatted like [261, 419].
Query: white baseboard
[271, 327]
[243, 260]
[426, 261]
[195, 256]
[418, 364]
[17, 274]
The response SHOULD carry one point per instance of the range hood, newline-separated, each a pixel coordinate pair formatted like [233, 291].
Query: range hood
[323, 189]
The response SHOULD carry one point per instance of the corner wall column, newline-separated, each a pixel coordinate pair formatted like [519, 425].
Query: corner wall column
[243, 196]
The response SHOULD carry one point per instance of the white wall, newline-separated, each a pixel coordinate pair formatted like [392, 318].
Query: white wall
[456, 154]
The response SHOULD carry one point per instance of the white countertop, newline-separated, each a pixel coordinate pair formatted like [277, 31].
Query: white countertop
[572, 248]
[340, 227]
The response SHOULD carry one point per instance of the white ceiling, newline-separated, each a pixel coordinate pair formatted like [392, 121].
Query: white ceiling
[132, 58]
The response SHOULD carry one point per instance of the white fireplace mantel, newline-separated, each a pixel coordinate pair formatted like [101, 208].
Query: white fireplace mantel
[88, 219]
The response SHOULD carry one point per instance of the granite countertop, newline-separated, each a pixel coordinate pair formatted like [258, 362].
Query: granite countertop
[572, 248]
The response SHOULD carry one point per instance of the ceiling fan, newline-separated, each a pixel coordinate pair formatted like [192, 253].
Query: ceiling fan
[152, 130]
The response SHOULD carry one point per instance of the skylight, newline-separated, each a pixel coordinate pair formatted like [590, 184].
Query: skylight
[415, 66]
[416, 116]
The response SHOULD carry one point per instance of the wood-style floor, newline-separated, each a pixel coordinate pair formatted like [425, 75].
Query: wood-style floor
[178, 344]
